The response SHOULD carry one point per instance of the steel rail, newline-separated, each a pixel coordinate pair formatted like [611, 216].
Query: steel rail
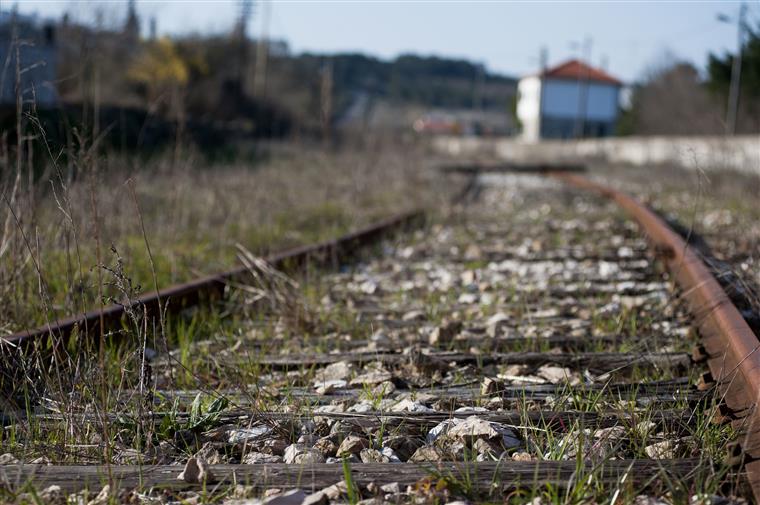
[731, 347]
[180, 296]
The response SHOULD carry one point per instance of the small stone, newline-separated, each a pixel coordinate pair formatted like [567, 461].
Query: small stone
[649, 500]
[513, 370]
[557, 374]
[209, 453]
[522, 456]
[390, 454]
[53, 495]
[495, 324]
[292, 497]
[351, 445]
[327, 387]
[440, 429]
[467, 277]
[384, 389]
[8, 459]
[301, 455]
[403, 446]
[274, 446]
[241, 435]
[472, 252]
[467, 299]
[414, 315]
[410, 406]
[196, 471]
[368, 287]
[326, 446]
[467, 431]
[340, 370]
[445, 333]
[372, 378]
[103, 498]
[484, 448]
[538, 501]
[661, 450]
[712, 499]
[336, 490]
[490, 386]
[426, 453]
[330, 409]
[471, 410]
[255, 458]
[318, 498]
[362, 407]
[373, 456]
[473, 427]
[391, 488]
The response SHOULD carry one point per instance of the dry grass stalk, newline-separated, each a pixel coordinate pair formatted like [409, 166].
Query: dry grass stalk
[280, 292]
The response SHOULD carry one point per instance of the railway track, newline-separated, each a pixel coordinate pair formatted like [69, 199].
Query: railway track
[530, 345]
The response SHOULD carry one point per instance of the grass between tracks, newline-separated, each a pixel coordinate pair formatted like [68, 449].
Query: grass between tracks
[73, 232]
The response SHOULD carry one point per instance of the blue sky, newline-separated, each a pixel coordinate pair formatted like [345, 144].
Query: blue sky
[506, 36]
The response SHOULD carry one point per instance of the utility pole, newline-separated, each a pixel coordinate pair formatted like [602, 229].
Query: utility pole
[325, 100]
[732, 111]
[543, 61]
[583, 78]
[543, 58]
[604, 63]
[246, 11]
[262, 53]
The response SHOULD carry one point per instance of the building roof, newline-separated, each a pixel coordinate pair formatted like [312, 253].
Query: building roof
[576, 69]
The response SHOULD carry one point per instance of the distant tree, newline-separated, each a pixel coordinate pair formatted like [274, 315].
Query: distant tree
[159, 69]
[719, 81]
[673, 100]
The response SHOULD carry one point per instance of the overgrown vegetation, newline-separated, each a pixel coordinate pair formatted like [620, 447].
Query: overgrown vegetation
[674, 99]
[63, 227]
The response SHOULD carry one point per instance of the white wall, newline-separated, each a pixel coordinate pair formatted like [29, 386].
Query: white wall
[561, 100]
[740, 153]
[529, 107]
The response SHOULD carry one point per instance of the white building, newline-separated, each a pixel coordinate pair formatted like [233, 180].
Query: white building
[570, 100]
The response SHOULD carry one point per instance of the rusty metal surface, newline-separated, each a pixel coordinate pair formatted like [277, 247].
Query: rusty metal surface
[180, 296]
[729, 343]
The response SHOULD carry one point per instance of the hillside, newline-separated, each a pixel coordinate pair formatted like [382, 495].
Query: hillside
[362, 84]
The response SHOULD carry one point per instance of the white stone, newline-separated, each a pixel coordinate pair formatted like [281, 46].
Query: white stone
[240, 435]
[292, 497]
[301, 455]
[410, 406]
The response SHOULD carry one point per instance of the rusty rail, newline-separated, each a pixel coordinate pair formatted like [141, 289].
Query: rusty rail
[732, 349]
[181, 296]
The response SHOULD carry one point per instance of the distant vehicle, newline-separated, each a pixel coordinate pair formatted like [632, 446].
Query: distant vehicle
[438, 125]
